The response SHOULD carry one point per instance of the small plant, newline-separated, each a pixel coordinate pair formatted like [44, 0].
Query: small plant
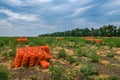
[70, 59]
[62, 54]
[94, 57]
[56, 72]
[3, 73]
[89, 70]
[81, 53]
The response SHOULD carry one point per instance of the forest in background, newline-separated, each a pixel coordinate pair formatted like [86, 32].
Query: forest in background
[106, 30]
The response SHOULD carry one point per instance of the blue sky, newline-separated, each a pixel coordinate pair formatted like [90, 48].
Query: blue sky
[34, 17]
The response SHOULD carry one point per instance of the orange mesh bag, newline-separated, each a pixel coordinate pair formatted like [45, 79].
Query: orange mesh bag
[47, 56]
[37, 62]
[44, 64]
[33, 57]
[40, 56]
[46, 52]
[26, 56]
[45, 48]
[18, 58]
[97, 40]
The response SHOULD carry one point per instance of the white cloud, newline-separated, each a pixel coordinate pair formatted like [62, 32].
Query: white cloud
[7, 28]
[85, 23]
[25, 2]
[112, 3]
[18, 16]
[117, 23]
[40, 1]
[12, 32]
[81, 2]
[47, 26]
[114, 12]
[14, 2]
[21, 29]
[72, 0]
[58, 7]
[82, 10]
[40, 25]
[110, 6]
[5, 24]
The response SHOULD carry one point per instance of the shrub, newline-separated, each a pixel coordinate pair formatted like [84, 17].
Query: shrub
[3, 73]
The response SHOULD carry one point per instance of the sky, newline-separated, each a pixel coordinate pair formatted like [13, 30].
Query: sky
[34, 17]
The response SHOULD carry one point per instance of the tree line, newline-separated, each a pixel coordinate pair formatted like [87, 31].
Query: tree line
[106, 30]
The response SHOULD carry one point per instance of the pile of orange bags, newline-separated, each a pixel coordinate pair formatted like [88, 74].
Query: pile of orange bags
[92, 39]
[22, 39]
[32, 56]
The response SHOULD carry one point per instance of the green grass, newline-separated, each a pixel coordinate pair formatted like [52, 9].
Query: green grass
[56, 72]
[62, 54]
[112, 42]
[3, 73]
[70, 59]
[88, 71]
[94, 57]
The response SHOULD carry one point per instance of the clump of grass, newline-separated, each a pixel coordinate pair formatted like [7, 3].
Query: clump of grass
[3, 73]
[62, 54]
[94, 57]
[88, 71]
[81, 53]
[70, 59]
[56, 72]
